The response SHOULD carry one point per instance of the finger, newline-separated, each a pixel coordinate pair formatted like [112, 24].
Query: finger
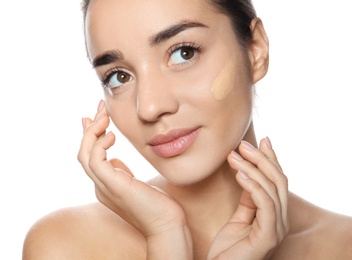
[261, 160]
[130, 197]
[266, 162]
[246, 209]
[112, 178]
[251, 171]
[243, 166]
[101, 105]
[86, 122]
[118, 184]
[265, 214]
[109, 174]
[277, 187]
[118, 164]
[91, 135]
[93, 132]
[266, 147]
[101, 111]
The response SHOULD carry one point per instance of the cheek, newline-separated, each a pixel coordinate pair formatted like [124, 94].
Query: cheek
[234, 96]
[233, 92]
[224, 82]
[122, 113]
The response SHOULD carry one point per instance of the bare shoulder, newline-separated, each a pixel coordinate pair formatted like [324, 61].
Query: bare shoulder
[334, 233]
[316, 233]
[85, 232]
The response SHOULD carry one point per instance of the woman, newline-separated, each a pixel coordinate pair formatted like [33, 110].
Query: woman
[179, 78]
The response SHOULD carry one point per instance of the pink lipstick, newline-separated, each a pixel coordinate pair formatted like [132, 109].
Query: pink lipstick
[174, 142]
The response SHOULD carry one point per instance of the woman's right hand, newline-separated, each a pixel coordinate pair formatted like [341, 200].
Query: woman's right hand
[158, 217]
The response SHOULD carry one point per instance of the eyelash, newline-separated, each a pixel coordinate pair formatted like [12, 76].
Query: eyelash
[178, 46]
[108, 75]
[196, 47]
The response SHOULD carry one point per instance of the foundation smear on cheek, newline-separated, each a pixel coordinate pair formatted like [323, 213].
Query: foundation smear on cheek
[224, 82]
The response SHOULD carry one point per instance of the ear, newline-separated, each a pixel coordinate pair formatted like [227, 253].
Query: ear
[259, 50]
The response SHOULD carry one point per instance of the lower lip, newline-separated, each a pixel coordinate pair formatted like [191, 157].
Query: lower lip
[177, 146]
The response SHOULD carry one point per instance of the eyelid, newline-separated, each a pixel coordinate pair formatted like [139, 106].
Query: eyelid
[178, 46]
[173, 49]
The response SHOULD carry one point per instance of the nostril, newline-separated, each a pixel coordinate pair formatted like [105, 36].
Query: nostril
[153, 107]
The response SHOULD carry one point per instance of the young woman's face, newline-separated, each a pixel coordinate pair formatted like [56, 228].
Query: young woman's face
[176, 82]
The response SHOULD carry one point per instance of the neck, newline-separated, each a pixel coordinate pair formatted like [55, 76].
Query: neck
[214, 199]
[206, 195]
[208, 204]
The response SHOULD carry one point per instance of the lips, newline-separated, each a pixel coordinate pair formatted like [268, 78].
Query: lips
[174, 142]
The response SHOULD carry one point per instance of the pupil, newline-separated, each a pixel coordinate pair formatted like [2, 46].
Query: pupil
[187, 53]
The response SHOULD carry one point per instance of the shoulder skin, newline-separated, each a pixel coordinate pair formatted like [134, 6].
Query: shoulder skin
[316, 233]
[87, 232]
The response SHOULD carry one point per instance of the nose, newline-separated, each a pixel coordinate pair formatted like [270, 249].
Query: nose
[155, 98]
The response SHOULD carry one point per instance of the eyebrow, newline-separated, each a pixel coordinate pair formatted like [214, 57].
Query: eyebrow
[115, 55]
[173, 30]
[107, 58]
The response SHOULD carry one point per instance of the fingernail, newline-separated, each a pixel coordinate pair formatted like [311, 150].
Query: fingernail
[268, 143]
[101, 105]
[247, 145]
[236, 156]
[243, 175]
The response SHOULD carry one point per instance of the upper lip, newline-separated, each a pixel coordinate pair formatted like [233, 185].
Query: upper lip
[170, 136]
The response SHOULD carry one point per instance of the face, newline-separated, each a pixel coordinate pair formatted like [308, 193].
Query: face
[176, 84]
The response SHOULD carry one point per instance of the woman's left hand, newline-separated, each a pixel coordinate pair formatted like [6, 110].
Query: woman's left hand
[260, 222]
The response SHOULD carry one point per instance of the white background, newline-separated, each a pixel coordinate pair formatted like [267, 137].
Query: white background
[47, 85]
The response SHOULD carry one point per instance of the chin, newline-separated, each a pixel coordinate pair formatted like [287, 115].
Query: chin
[185, 172]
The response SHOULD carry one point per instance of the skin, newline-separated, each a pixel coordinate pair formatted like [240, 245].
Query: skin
[208, 201]
[224, 82]
[148, 65]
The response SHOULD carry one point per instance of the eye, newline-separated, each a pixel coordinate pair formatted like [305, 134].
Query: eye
[116, 79]
[182, 55]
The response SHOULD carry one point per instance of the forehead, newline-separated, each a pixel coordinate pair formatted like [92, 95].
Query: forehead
[148, 11]
[109, 22]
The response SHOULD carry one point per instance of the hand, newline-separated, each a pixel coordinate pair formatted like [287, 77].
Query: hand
[260, 222]
[159, 218]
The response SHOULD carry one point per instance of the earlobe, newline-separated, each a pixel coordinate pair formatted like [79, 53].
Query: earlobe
[259, 50]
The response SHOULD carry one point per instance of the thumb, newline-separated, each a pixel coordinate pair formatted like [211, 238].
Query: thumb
[118, 164]
[246, 210]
